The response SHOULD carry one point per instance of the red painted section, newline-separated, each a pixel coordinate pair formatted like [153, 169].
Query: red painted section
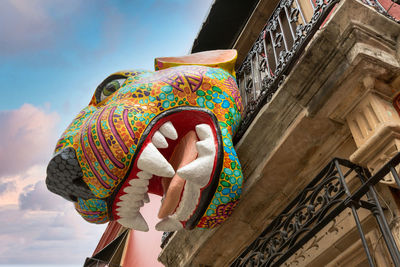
[392, 8]
[143, 247]
[109, 235]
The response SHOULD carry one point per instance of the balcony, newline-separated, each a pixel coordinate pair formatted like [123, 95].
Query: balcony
[279, 45]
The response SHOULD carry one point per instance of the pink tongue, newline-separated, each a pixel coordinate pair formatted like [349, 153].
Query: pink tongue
[184, 153]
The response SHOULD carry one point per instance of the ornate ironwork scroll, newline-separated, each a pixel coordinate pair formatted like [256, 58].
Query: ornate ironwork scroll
[319, 203]
[284, 37]
[306, 214]
[280, 43]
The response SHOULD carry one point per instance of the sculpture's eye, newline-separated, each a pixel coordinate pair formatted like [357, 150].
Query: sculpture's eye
[109, 86]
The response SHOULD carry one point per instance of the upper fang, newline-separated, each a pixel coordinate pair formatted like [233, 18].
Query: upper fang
[159, 140]
[152, 161]
[168, 130]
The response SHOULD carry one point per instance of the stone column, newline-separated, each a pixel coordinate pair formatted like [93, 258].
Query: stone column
[375, 126]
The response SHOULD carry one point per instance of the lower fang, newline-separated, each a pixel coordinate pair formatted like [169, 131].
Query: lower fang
[198, 172]
[144, 175]
[169, 225]
[136, 222]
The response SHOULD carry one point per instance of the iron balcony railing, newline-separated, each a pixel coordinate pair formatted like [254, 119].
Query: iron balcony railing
[319, 203]
[284, 37]
[92, 262]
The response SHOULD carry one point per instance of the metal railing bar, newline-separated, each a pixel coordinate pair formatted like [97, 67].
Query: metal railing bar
[362, 236]
[384, 228]
[290, 23]
[375, 178]
[273, 48]
[301, 12]
[355, 215]
[341, 178]
[283, 33]
[395, 176]
[266, 56]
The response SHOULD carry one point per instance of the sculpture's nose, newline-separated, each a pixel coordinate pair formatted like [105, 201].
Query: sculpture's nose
[64, 176]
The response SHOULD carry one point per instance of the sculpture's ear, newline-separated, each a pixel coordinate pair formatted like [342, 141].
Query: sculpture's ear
[224, 59]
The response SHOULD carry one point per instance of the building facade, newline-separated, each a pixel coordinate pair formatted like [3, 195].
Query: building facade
[318, 79]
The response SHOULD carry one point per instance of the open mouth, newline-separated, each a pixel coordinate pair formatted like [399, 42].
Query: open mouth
[179, 159]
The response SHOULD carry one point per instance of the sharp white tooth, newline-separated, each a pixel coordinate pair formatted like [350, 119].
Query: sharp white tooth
[126, 197]
[197, 171]
[168, 130]
[205, 147]
[146, 198]
[131, 190]
[204, 131]
[128, 204]
[152, 161]
[124, 211]
[136, 196]
[132, 200]
[144, 175]
[129, 200]
[121, 204]
[159, 140]
[169, 225]
[189, 200]
[136, 222]
[136, 204]
[139, 183]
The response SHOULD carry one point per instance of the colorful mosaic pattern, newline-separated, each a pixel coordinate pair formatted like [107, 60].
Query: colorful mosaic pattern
[105, 134]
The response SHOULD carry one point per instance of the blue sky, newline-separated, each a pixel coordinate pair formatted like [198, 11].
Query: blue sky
[53, 54]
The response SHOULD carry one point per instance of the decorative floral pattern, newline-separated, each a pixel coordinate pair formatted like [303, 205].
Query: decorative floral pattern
[105, 135]
[223, 211]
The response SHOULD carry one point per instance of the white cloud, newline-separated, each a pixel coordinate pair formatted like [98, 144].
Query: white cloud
[36, 225]
[40, 227]
[22, 183]
[38, 237]
[39, 198]
[28, 137]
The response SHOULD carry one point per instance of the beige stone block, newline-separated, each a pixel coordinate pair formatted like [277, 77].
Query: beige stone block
[369, 116]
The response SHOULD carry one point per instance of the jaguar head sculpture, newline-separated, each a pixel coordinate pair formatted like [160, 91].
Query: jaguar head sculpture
[167, 132]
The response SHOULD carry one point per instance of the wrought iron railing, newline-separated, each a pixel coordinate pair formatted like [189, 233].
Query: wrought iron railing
[92, 262]
[319, 203]
[284, 37]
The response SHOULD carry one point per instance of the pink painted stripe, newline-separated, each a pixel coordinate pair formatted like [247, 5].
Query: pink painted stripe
[90, 163]
[114, 131]
[91, 219]
[86, 212]
[105, 145]
[125, 116]
[97, 153]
